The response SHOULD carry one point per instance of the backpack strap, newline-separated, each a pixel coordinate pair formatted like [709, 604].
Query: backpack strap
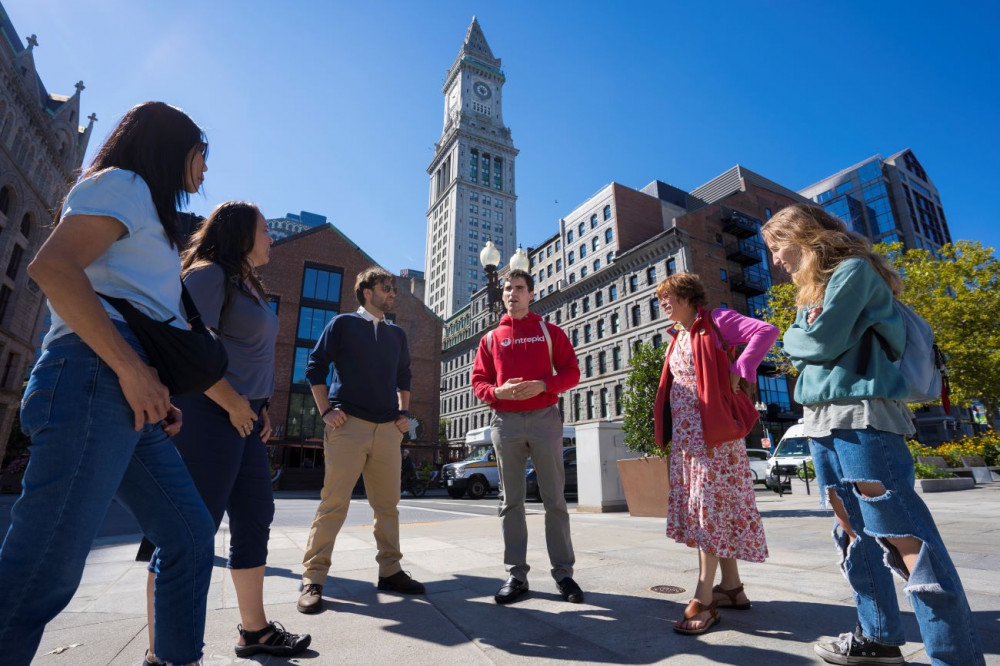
[489, 341]
[548, 341]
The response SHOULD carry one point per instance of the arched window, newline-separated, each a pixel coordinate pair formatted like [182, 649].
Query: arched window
[607, 212]
[6, 199]
[26, 225]
[593, 221]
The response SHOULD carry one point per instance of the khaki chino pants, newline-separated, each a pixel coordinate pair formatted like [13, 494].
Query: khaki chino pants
[356, 448]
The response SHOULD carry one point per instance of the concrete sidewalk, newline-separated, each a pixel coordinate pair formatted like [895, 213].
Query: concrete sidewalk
[799, 594]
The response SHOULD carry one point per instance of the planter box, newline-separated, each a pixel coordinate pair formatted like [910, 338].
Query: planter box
[945, 485]
[646, 485]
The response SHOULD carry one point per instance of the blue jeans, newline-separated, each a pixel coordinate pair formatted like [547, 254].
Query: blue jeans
[847, 457]
[84, 450]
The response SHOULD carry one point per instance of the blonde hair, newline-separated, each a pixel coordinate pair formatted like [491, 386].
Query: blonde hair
[824, 242]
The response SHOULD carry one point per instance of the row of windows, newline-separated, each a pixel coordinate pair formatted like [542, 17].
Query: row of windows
[600, 409]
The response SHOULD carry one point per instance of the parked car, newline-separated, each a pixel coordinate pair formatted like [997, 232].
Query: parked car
[758, 464]
[474, 476]
[788, 456]
[569, 464]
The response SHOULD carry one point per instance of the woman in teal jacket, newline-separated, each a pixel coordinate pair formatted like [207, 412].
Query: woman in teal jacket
[851, 391]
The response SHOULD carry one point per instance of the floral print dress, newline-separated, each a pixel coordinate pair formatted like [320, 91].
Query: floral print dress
[712, 504]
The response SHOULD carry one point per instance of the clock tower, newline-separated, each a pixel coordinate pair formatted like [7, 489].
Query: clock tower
[472, 197]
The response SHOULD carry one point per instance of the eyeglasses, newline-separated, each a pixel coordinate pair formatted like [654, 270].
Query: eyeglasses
[388, 288]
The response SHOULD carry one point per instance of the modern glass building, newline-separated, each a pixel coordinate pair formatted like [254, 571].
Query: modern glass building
[887, 200]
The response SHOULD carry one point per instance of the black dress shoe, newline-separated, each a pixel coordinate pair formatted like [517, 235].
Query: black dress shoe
[569, 590]
[510, 591]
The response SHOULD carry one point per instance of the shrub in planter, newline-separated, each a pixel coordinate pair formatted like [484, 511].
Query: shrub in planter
[644, 480]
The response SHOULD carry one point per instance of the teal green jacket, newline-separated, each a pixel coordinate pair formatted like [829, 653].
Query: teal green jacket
[826, 352]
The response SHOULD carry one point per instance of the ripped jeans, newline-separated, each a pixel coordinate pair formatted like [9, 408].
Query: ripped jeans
[847, 457]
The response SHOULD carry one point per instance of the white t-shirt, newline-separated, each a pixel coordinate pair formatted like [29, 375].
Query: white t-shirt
[140, 267]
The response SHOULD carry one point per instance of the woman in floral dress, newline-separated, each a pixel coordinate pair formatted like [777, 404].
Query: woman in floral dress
[712, 504]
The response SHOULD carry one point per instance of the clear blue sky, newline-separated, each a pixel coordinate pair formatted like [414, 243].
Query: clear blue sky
[334, 107]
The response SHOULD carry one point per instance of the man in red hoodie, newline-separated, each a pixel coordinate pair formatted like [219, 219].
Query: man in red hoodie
[521, 368]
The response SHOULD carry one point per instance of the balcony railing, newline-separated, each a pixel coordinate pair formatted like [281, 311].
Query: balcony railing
[746, 252]
[740, 225]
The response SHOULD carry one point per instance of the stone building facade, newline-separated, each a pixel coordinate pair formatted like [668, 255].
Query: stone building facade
[309, 279]
[41, 148]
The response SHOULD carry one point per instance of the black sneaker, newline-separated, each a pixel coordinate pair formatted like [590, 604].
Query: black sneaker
[856, 649]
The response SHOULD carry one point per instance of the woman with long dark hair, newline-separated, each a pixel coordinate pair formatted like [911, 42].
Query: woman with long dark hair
[846, 335]
[98, 417]
[225, 430]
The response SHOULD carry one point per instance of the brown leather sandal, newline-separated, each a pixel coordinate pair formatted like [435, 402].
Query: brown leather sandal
[693, 610]
[732, 594]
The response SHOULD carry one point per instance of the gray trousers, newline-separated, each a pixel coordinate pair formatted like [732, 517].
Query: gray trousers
[517, 435]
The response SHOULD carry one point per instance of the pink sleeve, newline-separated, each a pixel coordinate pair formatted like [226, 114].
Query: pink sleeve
[758, 336]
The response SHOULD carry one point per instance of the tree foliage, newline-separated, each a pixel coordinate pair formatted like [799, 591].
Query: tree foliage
[780, 312]
[957, 291]
[641, 383]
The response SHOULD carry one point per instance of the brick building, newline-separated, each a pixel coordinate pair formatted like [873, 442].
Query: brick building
[41, 146]
[309, 279]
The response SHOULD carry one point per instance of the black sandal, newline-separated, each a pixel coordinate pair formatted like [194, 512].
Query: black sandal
[280, 643]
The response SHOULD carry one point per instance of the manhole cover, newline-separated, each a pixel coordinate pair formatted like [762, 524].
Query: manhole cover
[667, 589]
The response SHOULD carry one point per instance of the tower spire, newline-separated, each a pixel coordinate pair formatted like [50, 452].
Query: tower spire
[475, 43]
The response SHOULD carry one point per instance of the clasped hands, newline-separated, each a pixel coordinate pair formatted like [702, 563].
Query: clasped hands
[518, 389]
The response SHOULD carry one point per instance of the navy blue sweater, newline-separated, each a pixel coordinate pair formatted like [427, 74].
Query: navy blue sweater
[366, 372]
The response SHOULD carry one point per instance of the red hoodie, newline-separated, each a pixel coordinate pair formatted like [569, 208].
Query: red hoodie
[518, 349]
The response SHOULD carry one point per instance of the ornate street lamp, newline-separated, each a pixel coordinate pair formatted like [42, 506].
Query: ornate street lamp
[489, 257]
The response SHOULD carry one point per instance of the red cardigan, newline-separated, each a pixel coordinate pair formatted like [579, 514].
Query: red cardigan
[712, 370]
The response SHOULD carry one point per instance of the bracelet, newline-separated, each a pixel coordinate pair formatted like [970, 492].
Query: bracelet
[328, 410]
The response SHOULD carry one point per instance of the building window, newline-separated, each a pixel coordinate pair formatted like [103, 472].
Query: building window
[26, 225]
[583, 272]
[597, 264]
[657, 340]
[654, 309]
[604, 403]
[600, 329]
[607, 212]
[615, 324]
[613, 293]
[15, 261]
[571, 258]
[586, 304]
[303, 418]
[548, 270]
[6, 199]
[569, 236]
[322, 284]
[671, 266]
[616, 358]
[767, 214]
[588, 364]
[312, 321]
[576, 406]
[572, 310]
[723, 275]
[5, 294]
[586, 333]
[651, 275]
[636, 315]
[558, 316]
[633, 284]
[558, 264]
[602, 362]
[595, 243]
[609, 235]
[593, 221]
[581, 229]
[618, 399]
[590, 404]
[558, 246]
[598, 299]
[583, 251]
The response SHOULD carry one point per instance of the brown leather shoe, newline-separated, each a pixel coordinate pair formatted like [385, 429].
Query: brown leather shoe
[311, 599]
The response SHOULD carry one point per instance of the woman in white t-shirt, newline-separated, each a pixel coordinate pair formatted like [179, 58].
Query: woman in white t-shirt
[98, 417]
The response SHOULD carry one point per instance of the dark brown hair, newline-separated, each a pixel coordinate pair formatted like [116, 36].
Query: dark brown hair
[525, 275]
[368, 278]
[226, 238]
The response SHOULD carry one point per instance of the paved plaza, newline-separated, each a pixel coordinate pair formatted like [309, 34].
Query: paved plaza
[799, 594]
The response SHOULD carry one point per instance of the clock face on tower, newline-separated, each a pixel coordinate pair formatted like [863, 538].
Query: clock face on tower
[482, 90]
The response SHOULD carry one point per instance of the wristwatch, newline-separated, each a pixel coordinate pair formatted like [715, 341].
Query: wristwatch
[403, 412]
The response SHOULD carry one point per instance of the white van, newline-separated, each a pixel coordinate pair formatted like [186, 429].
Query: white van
[791, 452]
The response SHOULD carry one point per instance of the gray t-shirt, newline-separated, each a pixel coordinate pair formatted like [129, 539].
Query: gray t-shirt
[857, 414]
[249, 329]
[141, 266]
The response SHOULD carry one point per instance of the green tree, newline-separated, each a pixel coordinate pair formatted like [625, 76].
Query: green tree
[958, 293]
[641, 382]
[780, 312]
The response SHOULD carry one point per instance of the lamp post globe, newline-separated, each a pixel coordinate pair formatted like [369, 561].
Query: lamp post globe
[519, 262]
[489, 255]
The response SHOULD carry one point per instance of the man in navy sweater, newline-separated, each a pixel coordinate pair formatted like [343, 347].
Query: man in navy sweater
[365, 412]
